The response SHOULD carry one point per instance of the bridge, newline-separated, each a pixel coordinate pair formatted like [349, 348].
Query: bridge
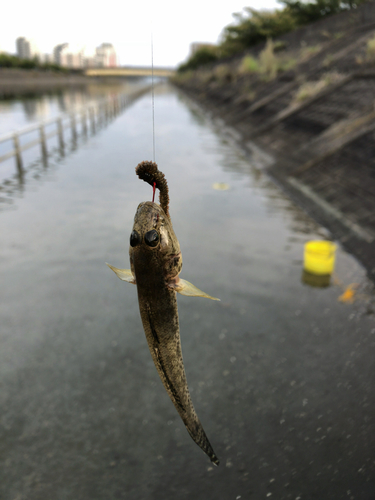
[130, 71]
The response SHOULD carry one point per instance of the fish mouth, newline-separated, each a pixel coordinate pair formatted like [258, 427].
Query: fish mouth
[150, 203]
[149, 207]
[149, 216]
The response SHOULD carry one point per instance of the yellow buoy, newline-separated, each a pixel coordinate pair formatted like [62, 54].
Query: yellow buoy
[319, 257]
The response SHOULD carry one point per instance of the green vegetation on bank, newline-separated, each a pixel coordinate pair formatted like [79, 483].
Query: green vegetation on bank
[307, 12]
[252, 27]
[270, 62]
[202, 56]
[9, 61]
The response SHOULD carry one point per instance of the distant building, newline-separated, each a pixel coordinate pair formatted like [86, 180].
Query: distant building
[105, 56]
[194, 47]
[71, 57]
[26, 49]
[89, 61]
[46, 58]
[57, 53]
[75, 56]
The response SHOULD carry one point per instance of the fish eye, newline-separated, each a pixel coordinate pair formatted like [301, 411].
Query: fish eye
[152, 238]
[135, 239]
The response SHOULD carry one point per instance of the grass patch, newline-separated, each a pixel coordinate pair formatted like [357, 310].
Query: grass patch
[223, 73]
[310, 89]
[279, 46]
[268, 62]
[370, 49]
[287, 64]
[307, 52]
[248, 65]
[205, 77]
[183, 77]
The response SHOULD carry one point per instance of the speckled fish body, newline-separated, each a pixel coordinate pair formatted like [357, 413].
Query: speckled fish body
[156, 262]
[153, 268]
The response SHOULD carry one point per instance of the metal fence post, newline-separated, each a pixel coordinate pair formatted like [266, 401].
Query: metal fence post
[17, 150]
[84, 123]
[92, 119]
[99, 111]
[74, 128]
[43, 143]
[60, 132]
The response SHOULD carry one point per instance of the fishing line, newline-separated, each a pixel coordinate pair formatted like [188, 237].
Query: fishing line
[153, 98]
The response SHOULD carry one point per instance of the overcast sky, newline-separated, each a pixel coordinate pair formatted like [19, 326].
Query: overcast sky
[125, 24]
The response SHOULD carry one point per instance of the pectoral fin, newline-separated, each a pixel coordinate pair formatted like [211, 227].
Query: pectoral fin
[185, 288]
[123, 274]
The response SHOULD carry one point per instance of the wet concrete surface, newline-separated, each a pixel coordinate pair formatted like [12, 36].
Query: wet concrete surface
[281, 374]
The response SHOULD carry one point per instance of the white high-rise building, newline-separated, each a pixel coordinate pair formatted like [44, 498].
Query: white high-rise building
[26, 48]
[57, 53]
[71, 57]
[105, 56]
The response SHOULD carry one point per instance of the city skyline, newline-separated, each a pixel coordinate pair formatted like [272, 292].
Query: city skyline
[127, 25]
[68, 55]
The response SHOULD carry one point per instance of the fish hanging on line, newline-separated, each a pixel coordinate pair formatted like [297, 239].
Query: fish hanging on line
[155, 265]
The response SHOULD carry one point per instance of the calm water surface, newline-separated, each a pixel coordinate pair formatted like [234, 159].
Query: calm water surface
[16, 114]
[281, 373]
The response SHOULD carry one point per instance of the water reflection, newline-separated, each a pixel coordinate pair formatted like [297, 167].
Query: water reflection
[33, 107]
[232, 159]
[57, 141]
[315, 280]
[17, 111]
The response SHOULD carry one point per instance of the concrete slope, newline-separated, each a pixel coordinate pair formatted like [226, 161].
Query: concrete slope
[315, 123]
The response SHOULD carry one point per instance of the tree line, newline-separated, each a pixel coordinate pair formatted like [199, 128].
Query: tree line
[254, 26]
[10, 61]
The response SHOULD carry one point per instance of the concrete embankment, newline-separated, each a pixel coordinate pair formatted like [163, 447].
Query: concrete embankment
[306, 114]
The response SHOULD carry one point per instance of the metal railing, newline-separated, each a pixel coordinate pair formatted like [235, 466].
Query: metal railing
[91, 117]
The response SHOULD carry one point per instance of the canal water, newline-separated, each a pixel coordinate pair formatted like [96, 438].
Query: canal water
[33, 108]
[280, 372]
